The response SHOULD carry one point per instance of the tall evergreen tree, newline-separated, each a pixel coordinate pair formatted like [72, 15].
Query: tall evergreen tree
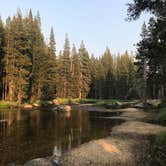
[156, 43]
[75, 73]
[66, 66]
[51, 46]
[142, 64]
[85, 76]
[49, 88]
[16, 60]
[2, 45]
[107, 61]
[59, 83]
[39, 57]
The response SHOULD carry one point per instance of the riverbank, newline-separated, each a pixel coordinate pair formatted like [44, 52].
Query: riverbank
[83, 103]
[60, 101]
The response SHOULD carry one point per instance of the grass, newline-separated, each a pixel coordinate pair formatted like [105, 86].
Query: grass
[63, 101]
[42, 103]
[7, 104]
[161, 138]
[87, 101]
[162, 116]
[159, 150]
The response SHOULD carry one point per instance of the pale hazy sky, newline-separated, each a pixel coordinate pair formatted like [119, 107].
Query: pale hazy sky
[99, 23]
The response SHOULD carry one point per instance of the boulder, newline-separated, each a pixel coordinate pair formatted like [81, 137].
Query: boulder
[27, 106]
[35, 104]
[67, 108]
[62, 108]
[55, 102]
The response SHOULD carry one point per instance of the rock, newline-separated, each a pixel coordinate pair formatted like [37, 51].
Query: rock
[27, 106]
[67, 108]
[35, 105]
[154, 102]
[38, 162]
[55, 102]
[138, 128]
[116, 105]
[139, 105]
[62, 108]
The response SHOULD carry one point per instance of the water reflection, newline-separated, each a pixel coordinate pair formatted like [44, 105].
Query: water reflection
[25, 135]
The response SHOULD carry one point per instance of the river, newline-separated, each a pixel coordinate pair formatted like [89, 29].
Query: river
[25, 135]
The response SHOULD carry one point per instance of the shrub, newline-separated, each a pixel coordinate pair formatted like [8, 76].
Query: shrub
[159, 150]
[8, 104]
[162, 116]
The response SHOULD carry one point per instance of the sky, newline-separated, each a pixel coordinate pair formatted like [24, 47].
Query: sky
[99, 23]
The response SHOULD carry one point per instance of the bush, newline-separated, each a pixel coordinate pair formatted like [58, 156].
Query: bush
[8, 104]
[162, 116]
[161, 138]
[45, 103]
[86, 101]
[63, 101]
[159, 150]
[162, 104]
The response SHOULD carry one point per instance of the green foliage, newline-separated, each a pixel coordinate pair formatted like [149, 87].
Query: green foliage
[8, 104]
[64, 71]
[98, 102]
[2, 44]
[159, 150]
[45, 103]
[162, 116]
[30, 69]
[85, 76]
[152, 47]
[162, 104]
[161, 138]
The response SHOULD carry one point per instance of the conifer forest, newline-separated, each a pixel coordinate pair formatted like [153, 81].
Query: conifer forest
[31, 69]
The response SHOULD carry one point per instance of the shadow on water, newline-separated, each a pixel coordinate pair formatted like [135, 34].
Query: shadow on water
[25, 135]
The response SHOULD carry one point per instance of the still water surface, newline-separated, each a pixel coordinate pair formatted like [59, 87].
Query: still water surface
[25, 135]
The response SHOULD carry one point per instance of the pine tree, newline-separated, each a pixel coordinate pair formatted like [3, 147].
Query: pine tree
[155, 44]
[75, 73]
[142, 64]
[2, 45]
[16, 60]
[66, 66]
[39, 59]
[49, 88]
[85, 76]
[51, 46]
[93, 69]
[107, 61]
[59, 83]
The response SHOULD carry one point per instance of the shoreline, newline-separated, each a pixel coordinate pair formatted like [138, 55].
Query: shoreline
[83, 104]
[128, 144]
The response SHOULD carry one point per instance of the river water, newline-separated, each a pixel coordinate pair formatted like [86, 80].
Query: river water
[25, 135]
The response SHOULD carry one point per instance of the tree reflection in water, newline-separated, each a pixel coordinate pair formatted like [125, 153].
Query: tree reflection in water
[26, 135]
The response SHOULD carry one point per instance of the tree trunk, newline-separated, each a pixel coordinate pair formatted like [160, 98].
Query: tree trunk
[11, 90]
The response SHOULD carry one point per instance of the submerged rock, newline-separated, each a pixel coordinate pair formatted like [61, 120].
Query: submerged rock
[62, 108]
